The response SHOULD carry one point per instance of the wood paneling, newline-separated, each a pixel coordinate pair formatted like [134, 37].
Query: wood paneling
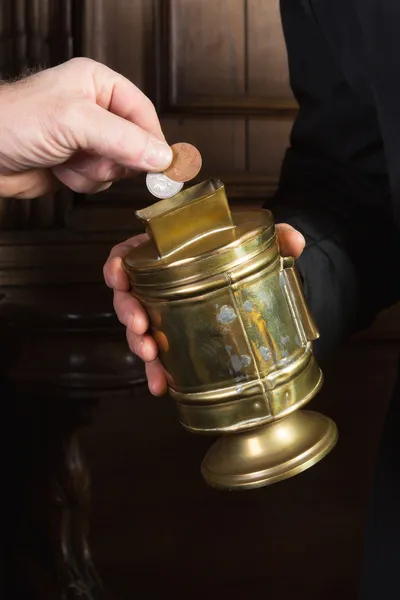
[228, 155]
[207, 42]
[226, 56]
[121, 34]
[217, 72]
[267, 142]
[267, 58]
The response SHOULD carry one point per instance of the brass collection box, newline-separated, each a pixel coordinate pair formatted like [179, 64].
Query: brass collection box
[234, 334]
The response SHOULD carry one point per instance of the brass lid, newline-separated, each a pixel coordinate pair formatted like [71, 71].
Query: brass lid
[194, 235]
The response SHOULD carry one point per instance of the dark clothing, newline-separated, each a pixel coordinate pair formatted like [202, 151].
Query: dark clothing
[340, 186]
[381, 561]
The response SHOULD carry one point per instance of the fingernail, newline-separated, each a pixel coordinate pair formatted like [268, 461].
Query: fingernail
[158, 155]
[115, 173]
[100, 188]
[301, 238]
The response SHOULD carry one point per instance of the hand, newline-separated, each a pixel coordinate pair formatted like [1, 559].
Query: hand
[79, 123]
[131, 313]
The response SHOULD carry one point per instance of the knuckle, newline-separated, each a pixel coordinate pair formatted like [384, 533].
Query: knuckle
[106, 274]
[65, 119]
[150, 105]
[70, 113]
[119, 252]
[139, 152]
[138, 239]
[80, 62]
[138, 345]
[95, 188]
[118, 311]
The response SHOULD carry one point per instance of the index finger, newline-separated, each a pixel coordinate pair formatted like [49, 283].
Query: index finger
[113, 271]
[122, 249]
[121, 97]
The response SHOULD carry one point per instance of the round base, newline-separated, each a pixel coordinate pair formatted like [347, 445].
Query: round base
[270, 453]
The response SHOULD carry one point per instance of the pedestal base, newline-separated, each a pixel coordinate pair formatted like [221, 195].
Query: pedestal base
[270, 453]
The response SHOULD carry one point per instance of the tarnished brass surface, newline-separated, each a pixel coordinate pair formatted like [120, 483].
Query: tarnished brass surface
[235, 335]
[277, 451]
[200, 210]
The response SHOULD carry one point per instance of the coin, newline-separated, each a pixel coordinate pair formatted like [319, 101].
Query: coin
[186, 163]
[162, 186]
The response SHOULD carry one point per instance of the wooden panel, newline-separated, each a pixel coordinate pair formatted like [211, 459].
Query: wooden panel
[223, 57]
[94, 31]
[267, 142]
[268, 70]
[120, 34]
[221, 142]
[226, 56]
[207, 49]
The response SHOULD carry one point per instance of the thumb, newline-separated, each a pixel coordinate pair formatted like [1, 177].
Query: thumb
[122, 141]
[291, 241]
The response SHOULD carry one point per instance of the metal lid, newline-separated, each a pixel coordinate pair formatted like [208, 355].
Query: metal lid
[194, 235]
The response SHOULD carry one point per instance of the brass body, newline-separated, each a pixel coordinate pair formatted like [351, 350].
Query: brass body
[235, 336]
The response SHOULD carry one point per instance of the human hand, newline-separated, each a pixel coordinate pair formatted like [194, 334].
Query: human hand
[79, 123]
[132, 314]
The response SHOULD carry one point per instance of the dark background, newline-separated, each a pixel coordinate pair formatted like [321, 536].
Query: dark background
[217, 73]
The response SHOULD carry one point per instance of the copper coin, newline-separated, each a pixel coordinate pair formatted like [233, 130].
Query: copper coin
[186, 163]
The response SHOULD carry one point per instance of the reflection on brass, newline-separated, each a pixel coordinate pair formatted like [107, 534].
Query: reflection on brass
[194, 213]
[235, 336]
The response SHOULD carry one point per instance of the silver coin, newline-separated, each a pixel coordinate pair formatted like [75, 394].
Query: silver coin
[162, 186]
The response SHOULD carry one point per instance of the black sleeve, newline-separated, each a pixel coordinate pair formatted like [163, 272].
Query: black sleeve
[349, 266]
[334, 188]
[379, 22]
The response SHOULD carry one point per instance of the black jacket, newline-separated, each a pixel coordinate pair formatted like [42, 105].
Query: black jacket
[340, 181]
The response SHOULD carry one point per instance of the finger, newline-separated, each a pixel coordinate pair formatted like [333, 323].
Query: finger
[130, 312]
[115, 275]
[94, 168]
[143, 346]
[79, 183]
[121, 97]
[122, 249]
[291, 241]
[96, 130]
[26, 185]
[156, 378]
[113, 270]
